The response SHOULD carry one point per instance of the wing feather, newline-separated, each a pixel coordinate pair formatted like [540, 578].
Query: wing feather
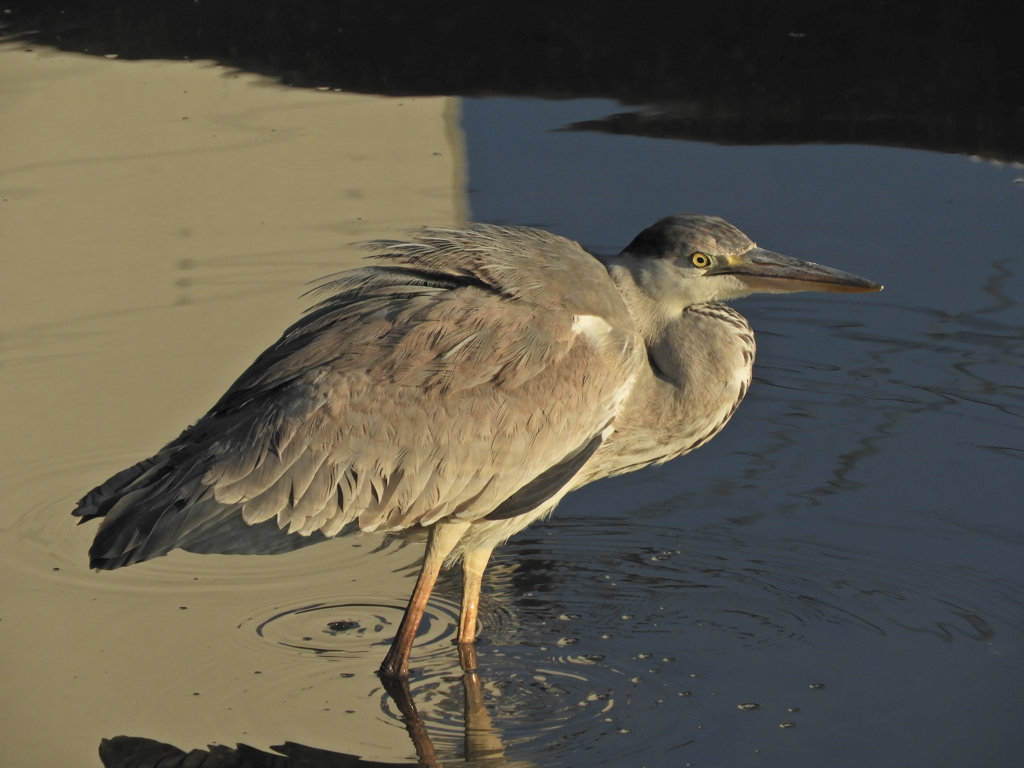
[266, 505]
[442, 383]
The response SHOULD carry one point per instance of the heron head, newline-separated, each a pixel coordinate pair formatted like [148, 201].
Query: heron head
[694, 258]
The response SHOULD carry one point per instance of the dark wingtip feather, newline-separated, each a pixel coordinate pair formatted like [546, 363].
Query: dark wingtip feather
[97, 502]
[109, 549]
[111, 563]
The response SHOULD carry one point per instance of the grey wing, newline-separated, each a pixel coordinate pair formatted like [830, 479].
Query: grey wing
[428, 389]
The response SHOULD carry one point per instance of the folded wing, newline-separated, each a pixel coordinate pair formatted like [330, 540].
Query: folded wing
[471, 373]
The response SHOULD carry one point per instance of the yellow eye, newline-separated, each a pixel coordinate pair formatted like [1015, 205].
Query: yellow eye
[700, 261]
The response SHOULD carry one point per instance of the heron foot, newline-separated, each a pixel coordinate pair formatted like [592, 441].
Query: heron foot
[394, 670]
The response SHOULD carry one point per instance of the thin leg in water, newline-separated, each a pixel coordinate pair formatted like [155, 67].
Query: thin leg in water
[473, 565]
[443, 538]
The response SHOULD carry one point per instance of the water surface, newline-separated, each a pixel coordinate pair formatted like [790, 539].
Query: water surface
[845, 555]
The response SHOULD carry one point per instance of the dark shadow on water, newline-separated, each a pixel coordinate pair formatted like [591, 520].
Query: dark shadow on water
[943, 76]
[139, 752]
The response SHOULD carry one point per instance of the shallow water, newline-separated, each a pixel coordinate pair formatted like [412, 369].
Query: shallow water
[845, 555]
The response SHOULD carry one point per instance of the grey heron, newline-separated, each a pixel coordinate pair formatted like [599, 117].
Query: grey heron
[460, 386]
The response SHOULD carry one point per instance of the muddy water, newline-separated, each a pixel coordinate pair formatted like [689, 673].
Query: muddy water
[834, 580]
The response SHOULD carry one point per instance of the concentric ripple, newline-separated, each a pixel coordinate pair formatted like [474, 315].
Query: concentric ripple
[353, 630]
[523, 702]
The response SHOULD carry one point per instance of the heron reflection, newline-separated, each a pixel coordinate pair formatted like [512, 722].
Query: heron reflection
[482, 747]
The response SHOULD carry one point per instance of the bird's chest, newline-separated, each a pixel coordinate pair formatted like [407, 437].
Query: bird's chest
[709, 412]
[698, 376]
[714, 363]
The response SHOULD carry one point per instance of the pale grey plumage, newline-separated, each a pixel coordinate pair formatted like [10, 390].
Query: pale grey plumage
[411, 393]
[463, 384]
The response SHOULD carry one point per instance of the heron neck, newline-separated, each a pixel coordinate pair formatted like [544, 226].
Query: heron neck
[700, 365]
[650, 316]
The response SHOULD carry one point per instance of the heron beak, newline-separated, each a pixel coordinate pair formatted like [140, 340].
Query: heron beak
[769, 272]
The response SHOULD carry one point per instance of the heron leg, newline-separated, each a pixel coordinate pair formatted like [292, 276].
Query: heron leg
[443, 538]
[473, 565]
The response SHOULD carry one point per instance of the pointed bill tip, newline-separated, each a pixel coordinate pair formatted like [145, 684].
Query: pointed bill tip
[865, 286]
